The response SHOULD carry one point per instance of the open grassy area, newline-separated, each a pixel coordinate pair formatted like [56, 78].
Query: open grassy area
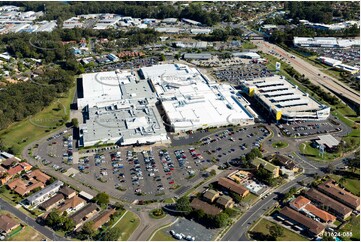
[351, 184]
[127, 225]
[22, 133]
[163, 235]
[288, 235]
[279, 144]
[249, 198]
[352, 226]
[248, 45]
[314, 153]
[169, 200]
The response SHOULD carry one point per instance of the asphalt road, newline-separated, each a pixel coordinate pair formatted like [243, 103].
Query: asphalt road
[29, 221]
[313, 73]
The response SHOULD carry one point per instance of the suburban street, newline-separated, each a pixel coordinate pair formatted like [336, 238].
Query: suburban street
[29, 221]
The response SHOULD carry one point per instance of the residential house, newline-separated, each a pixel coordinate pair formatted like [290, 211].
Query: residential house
[233, 187]
[258, 162]
[38, 175]
[103, 218]
[288, 163]
[81, 216]
[304, 205]
[67, 192]
[225, 202]
[310, 225]
[331, 189]
[44, 194]
[205, 207]
[7, 224]
[328, 204]
[52, 202]
[10, 162]
[210, 196]
[72, 204]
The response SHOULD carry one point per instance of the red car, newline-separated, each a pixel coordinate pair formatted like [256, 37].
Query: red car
[168, 173]
[171, 182]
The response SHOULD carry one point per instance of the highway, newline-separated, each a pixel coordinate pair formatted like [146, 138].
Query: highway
[311, 72]
[30, 221]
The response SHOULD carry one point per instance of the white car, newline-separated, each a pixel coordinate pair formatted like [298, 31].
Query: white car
[140, 178]
[151, 174]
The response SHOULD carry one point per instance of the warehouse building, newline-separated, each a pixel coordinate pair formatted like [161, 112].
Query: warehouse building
[284, 100]
[118, 108]
[190, 102]
[325, 42]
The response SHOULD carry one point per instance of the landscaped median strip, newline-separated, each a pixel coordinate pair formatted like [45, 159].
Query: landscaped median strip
[165, 226]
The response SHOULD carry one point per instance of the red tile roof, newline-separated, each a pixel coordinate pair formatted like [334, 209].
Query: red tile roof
[325, 216]
[313, 226]
[231, 185]
[15, 170]
[300, 202]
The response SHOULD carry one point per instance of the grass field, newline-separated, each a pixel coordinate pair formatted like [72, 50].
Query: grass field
[314, 153]
[127, 225]
[354, 227]
[351, 184]
[33, 128]
[279, 145]
[248, 45]
[163, 235]
[26, 234]
[249, 198]
[288, 235]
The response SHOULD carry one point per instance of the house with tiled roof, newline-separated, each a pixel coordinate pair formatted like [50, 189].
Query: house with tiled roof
[15, 170]
[38, 175]
[7, 224]
[331, 189]
[225, 202]
[324, 202]
[304, 205]
[52, 202]
[205, 207]
[210, 195]
[233, 186]
[258, 162]
[308, 224]
[103, 218]
[81, 216]
[72, 204]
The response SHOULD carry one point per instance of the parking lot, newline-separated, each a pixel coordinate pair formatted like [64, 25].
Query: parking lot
[244, 72]
[142, 173]
[136, 63]
[349, 56]
[296, 129]
[193, 229]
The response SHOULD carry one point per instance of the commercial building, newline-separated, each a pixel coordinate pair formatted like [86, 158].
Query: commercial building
[328, 141]
[325, 42]
[331, 189]
[191, 22]
[44, 194]
[191, 102]
[329, 61]
[274, 170]
[304, 205]
[200, 56]
[324, 202]
[284, 100]
[313, 227]
[119, 108]
[247, 55]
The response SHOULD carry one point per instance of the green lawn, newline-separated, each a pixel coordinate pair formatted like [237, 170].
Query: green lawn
[249, 198]
[22, 133]
[127, 225]
[351, 184]
[248, 45]
[314, 153]
[162, 235]
[279, 145]
[288, 235]
[169, 200]
[354, 227]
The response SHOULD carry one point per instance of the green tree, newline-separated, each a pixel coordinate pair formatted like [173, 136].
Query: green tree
[221, 220]
[276, 231]
[75, 122]
[213, 172]
[102, 199]
[183, 204]
[68, 224]
[53, 219]
[112, 234]
[88, 230]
